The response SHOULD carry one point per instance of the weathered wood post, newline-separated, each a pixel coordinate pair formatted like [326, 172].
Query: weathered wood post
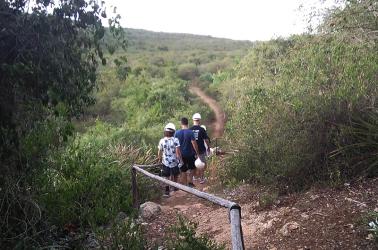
[236, 228]
[134, 188]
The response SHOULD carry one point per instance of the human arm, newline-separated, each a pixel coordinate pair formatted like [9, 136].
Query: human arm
[178, 149]
[160, 152]
[159, 156]
[195, 146]
[178, 154]
[207, 142]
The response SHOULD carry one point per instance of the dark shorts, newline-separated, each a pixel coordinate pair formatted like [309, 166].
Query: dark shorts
[188, 163]
[167, 171]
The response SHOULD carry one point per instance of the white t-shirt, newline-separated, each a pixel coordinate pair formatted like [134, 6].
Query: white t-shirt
[168, 145]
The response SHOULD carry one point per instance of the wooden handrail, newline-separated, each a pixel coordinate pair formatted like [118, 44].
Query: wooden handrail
[234, 208]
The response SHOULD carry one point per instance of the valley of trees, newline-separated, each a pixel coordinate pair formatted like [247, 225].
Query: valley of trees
[80, 103]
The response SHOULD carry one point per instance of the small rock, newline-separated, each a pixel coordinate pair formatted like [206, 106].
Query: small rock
[370, 237]
[288, 227]
[268, 225]
[149, 209]
[376, 209]
[305, 216]
[314, 197]
[91, 241]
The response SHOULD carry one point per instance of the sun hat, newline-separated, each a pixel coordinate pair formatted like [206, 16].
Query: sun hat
[170, 127]
[199, 164]
[196, 117]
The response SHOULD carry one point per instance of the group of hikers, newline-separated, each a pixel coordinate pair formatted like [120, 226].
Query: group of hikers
[180, 151]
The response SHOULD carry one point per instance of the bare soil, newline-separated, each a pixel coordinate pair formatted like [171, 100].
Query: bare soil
[217, 126]
[325, 218]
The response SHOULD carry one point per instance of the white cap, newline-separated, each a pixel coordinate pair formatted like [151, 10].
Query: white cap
[196, 117]
[170, 127]
[204, 127]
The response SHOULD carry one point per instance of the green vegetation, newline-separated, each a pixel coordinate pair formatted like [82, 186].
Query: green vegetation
[303, 110]
[48, 60]
[373, 224]
[184, 237]
[76, 111]
[124, 235]
[140, 104]
[61, 72]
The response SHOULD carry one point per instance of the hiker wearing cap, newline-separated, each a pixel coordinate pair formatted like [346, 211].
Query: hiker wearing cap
[169, 155]
[189, 150]
[202, 138]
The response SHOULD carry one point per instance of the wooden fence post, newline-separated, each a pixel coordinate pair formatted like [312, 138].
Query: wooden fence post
[134, 188]
[234, 208]
[236, 228]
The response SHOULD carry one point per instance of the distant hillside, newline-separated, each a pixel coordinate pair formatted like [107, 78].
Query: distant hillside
[139, 39]
[194, 54]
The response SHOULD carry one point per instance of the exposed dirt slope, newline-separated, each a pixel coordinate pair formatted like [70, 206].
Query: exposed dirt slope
[317, 219]
[220, 117]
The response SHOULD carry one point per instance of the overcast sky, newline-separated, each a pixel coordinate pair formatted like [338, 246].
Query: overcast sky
[235, 19]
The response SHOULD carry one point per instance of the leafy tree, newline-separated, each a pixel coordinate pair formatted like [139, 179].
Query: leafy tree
[49, 53]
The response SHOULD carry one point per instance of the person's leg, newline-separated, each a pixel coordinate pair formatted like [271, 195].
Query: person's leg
[202, 171]
[184, 172]
[166, 175]
[192, 169]
[175, 174]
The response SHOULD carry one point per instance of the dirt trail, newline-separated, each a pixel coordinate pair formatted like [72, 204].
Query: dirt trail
[220, 117]
[321, 218]
[188, 205]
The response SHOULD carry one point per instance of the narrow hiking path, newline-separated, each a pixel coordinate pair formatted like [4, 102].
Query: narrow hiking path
[218, 124]
[321, 218]
[211, 218]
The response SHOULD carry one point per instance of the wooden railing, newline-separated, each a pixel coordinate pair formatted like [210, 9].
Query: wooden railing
[234, 208]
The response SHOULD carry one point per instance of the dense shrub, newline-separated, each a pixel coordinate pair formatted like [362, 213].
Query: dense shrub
[88, 182]
[289, 102]
[187, 71]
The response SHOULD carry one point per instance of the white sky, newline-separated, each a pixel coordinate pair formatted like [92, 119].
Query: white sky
[235, 19]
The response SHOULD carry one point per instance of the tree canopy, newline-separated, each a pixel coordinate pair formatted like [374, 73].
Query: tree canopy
[49, 54]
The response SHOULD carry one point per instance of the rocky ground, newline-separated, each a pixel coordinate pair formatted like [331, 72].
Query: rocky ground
[322, 218]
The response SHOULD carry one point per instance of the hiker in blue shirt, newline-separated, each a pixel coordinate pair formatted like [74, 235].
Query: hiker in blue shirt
[189, 150]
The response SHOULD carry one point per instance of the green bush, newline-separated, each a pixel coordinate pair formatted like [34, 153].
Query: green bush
[288, 102]
[88, 182]
[206, 77]
[123, 235]
[184, 237]
[85, 186]
[373, 224]
[357, 152]
[187, 71]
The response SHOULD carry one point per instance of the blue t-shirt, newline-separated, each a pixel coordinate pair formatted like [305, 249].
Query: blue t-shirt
[200, 135]
[185, 137]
